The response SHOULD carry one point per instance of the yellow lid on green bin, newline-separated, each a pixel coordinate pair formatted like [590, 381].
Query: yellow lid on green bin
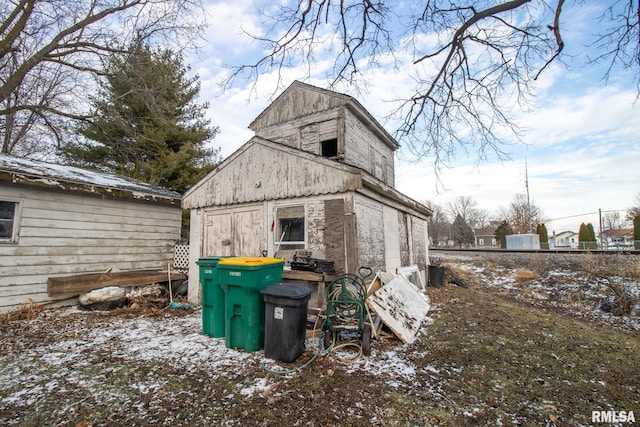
[249, 261]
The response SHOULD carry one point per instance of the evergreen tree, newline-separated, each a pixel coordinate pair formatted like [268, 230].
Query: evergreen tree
[587, 236]
[503, 230]
[592, 233]
[461, 232]
[582, 234]
[146, 124]
[541, 230]
[636, 231]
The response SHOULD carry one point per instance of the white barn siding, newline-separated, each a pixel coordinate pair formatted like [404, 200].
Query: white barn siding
[370, 233]
[383, 241]
[305, 133]
[366, 151]
[67, 233]
[263, 170]
[392, 252]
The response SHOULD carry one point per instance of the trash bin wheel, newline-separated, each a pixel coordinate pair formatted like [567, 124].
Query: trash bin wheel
[366, 339]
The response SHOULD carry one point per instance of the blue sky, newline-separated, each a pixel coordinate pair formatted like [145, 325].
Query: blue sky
[580, 137]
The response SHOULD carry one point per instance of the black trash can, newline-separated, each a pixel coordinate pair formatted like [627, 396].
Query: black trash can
[285, 323]
[436, 276]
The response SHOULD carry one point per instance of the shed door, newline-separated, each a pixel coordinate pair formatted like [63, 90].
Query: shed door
[217, 235]
[234, 233]
[247, 233]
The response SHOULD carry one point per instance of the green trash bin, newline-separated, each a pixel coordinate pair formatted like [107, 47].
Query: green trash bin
[213, 306]
[242, 279]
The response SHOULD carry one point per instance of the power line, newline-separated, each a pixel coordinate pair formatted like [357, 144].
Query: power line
[585, 214]
[573, 216]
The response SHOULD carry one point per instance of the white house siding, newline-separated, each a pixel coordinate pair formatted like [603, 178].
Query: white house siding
[67, 233]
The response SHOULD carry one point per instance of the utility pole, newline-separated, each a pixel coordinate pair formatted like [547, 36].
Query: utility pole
[526, 183]
[600, 225]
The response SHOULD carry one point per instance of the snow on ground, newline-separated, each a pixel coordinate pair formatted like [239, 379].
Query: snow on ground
[175, 340]
[178, 340]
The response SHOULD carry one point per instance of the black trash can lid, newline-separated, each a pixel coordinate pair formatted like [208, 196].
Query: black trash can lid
[287, 290]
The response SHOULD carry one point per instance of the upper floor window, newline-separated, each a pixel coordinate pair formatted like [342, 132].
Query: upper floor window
[8, 220]
[329, 148]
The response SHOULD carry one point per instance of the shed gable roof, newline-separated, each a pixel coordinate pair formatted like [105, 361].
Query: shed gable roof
[266, 170]
[68, 178]
[302, 99]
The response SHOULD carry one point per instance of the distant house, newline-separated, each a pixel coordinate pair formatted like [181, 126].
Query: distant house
[318, 177]
[621, 238]
[60, 221]
[564, 240]
[486, 238]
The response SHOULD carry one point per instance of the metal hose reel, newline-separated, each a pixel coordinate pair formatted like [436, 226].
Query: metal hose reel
[346, 297]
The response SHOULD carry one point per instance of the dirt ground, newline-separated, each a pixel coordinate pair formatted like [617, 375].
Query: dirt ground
[526, 343]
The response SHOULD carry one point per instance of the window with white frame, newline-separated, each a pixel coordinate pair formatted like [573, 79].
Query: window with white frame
[8, 220]
[290, 228]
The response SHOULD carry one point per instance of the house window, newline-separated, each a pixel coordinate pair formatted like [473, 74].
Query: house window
[481, 242]
[290, 228]
[329, 148]
[8, 220]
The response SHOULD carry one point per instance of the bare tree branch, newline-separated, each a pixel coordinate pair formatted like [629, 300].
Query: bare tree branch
[42, 42]
[478, 66]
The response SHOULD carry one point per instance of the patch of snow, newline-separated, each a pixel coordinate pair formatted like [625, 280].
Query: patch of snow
[257, 386]
[51, 174]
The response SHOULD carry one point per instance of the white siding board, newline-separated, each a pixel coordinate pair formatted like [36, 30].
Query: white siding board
[196, 231]
[92, 248]
[33, 243]
[370, 234]
[392, 257]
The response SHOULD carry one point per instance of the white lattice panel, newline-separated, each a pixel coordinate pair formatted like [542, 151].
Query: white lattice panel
[181, 258]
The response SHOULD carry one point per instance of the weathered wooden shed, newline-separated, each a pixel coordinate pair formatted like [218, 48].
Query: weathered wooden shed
[319, 177]
[60, 221]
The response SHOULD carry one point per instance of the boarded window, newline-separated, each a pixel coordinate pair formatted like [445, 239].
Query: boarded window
[8, 214]
[290, 227]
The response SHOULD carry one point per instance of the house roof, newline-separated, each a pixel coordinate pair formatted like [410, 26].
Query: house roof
[485, 231]
[302, 99]
[564, 234]
[278, 171]
[618, 232]
[68, 178]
